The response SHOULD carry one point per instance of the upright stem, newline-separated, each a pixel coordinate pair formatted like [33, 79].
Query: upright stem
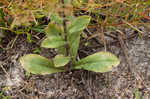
[65, 28]
[68, 66]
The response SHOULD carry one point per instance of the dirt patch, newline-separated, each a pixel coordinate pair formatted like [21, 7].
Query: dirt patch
[118, 84]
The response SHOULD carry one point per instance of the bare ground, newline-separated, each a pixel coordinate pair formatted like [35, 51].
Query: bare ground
[132, 76]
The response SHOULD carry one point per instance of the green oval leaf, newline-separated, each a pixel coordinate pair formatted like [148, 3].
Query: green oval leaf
[74, 30]
[56, 18]
[61, 60]
[54, 36]
[78, 24]
[37, 64]
[98, 62]
[74, 45]
[53, 30]
[53, 42]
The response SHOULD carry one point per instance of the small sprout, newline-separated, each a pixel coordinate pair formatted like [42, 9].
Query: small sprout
[29, 38]
[28, 74]
[37, 51]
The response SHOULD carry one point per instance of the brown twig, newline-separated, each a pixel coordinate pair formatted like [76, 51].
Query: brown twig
[14, 41]
[7, 75]
[133, 27]
[110, 43]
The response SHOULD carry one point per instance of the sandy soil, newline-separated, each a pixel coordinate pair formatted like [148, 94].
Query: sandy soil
[132, 76]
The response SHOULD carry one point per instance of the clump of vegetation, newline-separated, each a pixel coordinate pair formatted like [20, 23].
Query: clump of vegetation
[64, 35]
[63, 29]
[66, 39]
[29, 13]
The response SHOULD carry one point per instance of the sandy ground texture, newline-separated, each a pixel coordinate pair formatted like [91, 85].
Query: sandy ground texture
[130, 80]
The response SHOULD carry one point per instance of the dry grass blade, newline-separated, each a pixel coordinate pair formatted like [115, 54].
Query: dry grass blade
[135, 28]
[7, 75]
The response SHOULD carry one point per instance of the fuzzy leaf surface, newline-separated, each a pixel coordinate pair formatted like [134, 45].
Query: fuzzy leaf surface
[74, 30]
[53, 42]
[98, 62]
[78, 24]
[37, 64]
[54, 38]
[61, 60]
[53, 30]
